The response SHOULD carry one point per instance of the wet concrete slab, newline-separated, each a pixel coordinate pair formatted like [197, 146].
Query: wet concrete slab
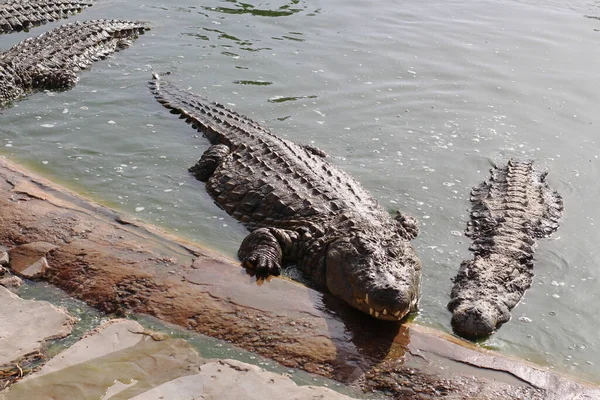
[119, 265]
[116, 361]
[234, 380]
[122, 360]
[26, 324]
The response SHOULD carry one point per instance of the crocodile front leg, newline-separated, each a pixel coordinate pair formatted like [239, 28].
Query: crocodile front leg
[210, 160]
[263, 250]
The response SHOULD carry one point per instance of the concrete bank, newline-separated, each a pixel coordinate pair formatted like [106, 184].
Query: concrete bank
[120, 265]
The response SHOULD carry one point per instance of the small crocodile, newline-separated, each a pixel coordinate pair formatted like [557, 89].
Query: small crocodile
[51, 60]
[19, 15]
[509, 211]
[302, 210]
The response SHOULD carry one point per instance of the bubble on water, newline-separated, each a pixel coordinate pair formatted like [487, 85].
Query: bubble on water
[138, 209]
[44, 162]
[556, 296]
[65, 111]
[83, 108]
[47, 125]
[456, 233]
[111, 122]
[525, 319]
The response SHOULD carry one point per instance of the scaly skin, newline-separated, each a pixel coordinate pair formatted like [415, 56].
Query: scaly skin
[51, 60]
[510, 210]
[18, 15]
[300, 209]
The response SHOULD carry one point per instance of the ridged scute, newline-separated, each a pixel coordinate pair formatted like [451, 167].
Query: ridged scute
[510, 210]
[18, 15]
[266, 178]
[51, 60]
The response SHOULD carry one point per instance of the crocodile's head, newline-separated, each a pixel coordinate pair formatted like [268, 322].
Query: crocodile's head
[376, 274]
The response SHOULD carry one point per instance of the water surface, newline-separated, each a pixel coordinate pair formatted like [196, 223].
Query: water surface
[414, 99]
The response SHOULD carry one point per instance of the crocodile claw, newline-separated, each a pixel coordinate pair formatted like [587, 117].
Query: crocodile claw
[262, 265]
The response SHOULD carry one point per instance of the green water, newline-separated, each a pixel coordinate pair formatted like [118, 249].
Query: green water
[412, 98]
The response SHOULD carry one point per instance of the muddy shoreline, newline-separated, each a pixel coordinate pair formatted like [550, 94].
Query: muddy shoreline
[120, 265]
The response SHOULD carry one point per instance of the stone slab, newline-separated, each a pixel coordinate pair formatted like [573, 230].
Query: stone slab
[112, 336]
[29, 261]
[26, 324]
[235, 380]
[118, 361]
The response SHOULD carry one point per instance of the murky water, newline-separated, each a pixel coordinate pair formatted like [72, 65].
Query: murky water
[412, 98]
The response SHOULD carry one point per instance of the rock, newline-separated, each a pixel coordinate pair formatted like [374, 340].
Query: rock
[29, 261]
[4, 258]
[233, 380]
[118, 360]
[112, 336]
[11, 282]
[123, 360]
[26, 324]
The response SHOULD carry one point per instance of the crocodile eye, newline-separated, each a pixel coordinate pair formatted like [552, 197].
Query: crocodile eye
[364, 246]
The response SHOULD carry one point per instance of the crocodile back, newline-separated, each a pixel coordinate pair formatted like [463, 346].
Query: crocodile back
[266, 180]
[18, 15]
[72, 47]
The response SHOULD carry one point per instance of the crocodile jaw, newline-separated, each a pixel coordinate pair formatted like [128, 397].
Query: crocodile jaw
[383, 286]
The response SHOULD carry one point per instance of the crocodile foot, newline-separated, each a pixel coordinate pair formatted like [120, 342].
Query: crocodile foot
[262, 264]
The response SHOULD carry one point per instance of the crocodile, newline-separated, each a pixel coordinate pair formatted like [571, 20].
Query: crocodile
[19, 15]
[302, 210]
[51, 60]
[510, 210]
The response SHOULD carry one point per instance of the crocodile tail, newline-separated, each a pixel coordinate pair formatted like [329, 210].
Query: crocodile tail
[218, 123]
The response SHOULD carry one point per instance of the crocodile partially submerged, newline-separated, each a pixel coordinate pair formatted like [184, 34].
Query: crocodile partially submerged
[19, 15]
[509, 212]
[301, 209]
[51, 60]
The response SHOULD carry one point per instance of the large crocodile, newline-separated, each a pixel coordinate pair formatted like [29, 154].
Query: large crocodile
[51, 60]
[301, 209]
[509, 211]
[18, 15]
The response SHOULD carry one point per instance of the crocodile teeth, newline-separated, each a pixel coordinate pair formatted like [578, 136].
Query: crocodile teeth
[359, 301]
[371, 311]
[376, 314]
[367, 298]
[384, 312]
[397, 313]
